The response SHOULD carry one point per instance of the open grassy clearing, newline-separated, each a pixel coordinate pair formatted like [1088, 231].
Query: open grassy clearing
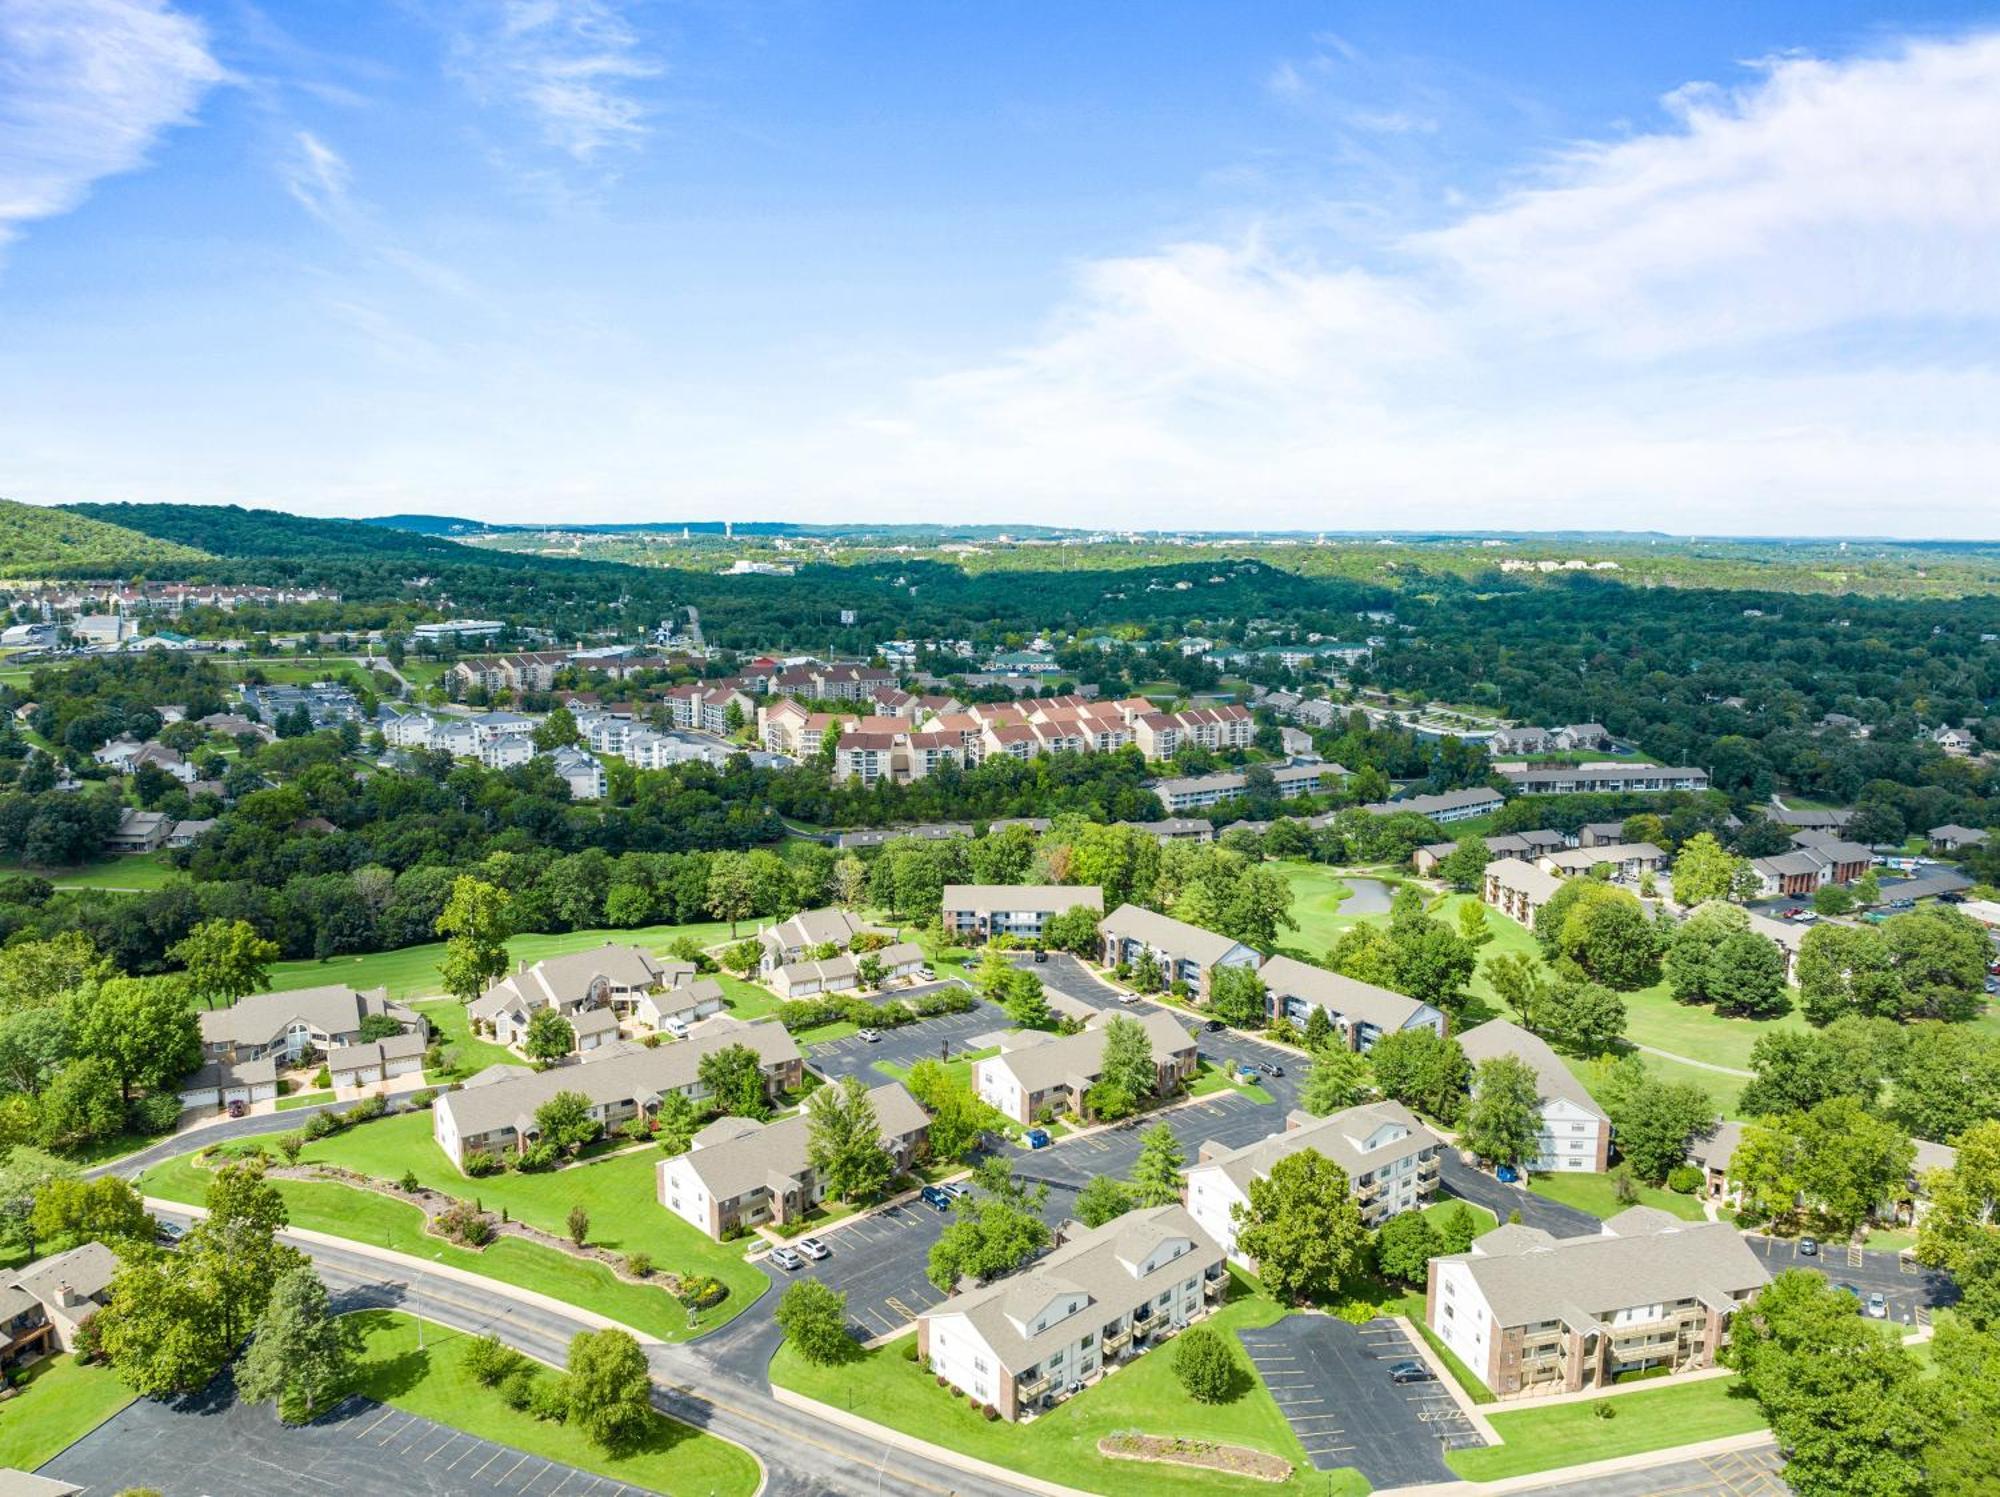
[139, 870]
[61, 1402]
[1570, 1434]
[433, 1383]
[365, 1216]
[1597, 1194]
[959, 1068]
[1061, 1445]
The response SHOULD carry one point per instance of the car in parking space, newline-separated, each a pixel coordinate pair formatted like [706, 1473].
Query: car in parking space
[1794, 912]
[1037, 1138]
[1853, 1290]
[1128, 997]
[868, 1036]
[1808, 1247]
[1411, 1372]
[957, 1190]
[788, 1260]
[1041, 953]
[814, 1249]
[169, 1233]
[934, 1198]
[1876, 1306]
[1215, 1026]
[1271, 1068]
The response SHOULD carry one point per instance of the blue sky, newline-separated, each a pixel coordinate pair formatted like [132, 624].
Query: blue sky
[1684, 267]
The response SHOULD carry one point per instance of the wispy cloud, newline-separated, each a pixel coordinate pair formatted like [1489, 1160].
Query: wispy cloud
[573, 65]
[86, 88]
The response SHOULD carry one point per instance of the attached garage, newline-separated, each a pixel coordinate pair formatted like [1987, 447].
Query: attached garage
[221, 1082]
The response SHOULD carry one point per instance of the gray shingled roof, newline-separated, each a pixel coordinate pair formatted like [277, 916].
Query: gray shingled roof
[562, 981]
[732, 1162]
[812, 928]
[1498, 1037]
[1513, 873]
[87, 1268]
[1287, 977]
[261, 1017]
[1177, 937]
[1040, 1061]
[1340, 1137]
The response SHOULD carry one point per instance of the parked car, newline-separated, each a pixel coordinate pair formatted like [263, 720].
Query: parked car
[1411, 1372]
[1215, 1026]
[1808, 1247]
[1851, 1289]
[1128, 997]
[788, 1260]
[1794, 912]
[238, 1108]
[957, 1190]
[867, 1036]
[1041, 954]
[1877, 1306]
[1508, 1175]
[1037, 1138]
[169, 1233]
[926, 975]
[814, 1249]
[1951, 896]
[934, 1198]
[1806, 917]
[1271, 1068]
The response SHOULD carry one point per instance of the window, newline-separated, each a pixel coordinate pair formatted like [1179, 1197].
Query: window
[979, 1364]
[1089, 1340]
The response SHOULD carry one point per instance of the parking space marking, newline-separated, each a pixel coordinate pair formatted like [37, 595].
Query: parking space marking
[455, 1437]
[473, 1449]
[394, 1432]
[387, 1414]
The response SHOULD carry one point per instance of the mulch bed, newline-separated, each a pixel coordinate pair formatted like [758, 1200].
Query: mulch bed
[1170, 1450]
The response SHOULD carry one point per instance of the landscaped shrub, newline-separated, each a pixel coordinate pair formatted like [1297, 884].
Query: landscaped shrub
[1684, 1178]
[638, 1129]
[703, 1291]
[423, 1098]
[367, 1110]
[322, 1125]
[490, 1360]
[480, 1165]
[466, 1224]
[539, 1156]
[322, 1078]
[289, 1145]
[639, 1265]
[990, 1412]
[154, 1114]
[549, 1399]
[909, 1352]
[409, 1181]
[517, 1389]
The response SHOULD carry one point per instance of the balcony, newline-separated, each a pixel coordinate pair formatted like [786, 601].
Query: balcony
[1365, 1195]
[1035, 1389]
[1115, 1338]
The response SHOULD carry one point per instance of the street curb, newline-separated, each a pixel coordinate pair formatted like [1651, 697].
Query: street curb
[1472, 1411]
[1535, 1481]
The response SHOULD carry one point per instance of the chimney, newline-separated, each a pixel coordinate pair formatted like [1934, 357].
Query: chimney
[67, 1297]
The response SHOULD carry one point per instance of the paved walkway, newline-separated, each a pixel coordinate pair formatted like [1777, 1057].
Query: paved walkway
[1689, 1060]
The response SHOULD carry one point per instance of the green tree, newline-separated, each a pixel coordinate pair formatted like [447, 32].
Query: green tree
[1464, 867]
[1832, 900]
[158, 1329]
[1457, 1229]
[1236, 995]
[989, 1235]
[1581, 1016]
[1795, 1070]
[1940, 958]
[225, 960]
[1301, 1227]
[1607, 934]
[814, 1318]
[557, 730]
[1518, 981]
[1026, 1003]
[1074, 930]
[610, 1392]
[1156, 1173]
[1846, 970]
[1947, 1080]
[1319, 1031]
[734, 1078]
[1422, 1070]
[676, 1123]
[301, 1357]
[141, 1027]
[1850, 1161]
[565, 1121]
[1204, 1365]
[1655, 1121]
[69, 1211]
[1101, 1200]
[1963, 1223]
[85, 1101]
[26, 1174]
[1704, 871]
[476, 921]
[732, 894]
[1504, 1120]
[844, 1142]
[1336, 1080]
[550, 1036]
[1405, 1245]
[1126, 1074]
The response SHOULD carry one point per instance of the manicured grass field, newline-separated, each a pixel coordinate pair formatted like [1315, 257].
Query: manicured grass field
[1569, 1434]
[619, 1192]
[1061, 1445]
[1696, 1031]
[1723, 1091]
[1438, 1210]
[412, 971]
[139, 870]
[434, 1384]
[1597, 1195]
[363, 1215]
[303, 1099]
[959, 1069]
[1316, 899]
[470, 1054]
[62, 1402]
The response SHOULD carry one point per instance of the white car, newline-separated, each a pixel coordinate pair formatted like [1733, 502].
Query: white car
[867, 1036]
[814, 1249]
[1128, 997]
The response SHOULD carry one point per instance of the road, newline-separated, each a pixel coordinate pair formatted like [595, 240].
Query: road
[1468, 1184]
[261, 1125]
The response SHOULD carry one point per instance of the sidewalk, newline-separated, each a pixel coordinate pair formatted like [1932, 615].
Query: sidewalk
[1579, 1475]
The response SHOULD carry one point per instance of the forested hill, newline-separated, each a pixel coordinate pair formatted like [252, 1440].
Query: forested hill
[41, 542]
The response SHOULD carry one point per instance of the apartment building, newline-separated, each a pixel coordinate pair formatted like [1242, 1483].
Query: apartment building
[842, 971]
[1450, 806]
[610, 977]
[580, 771]
[1037, 1072]
[1391, 1159]
[1602, 779]
[286, 1026]
[497, 1115]
[739, 1173]
[1816, 860]
[1527, 846]
[1530, 1313]
[1517, 889]
[975, 913]
[1160, 735]
[792, 940]
[527, 671]
[1574, 1133]
[1361, 1012]
[1628, 860]
[1022, 1342]
[1184, 953]
[706, 707]
[1198, 792]
[840, 681]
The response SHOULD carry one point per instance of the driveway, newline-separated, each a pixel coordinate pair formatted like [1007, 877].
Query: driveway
[1331, 1380]
[210, 1445]
[1469, 1184]
[1906, 1288]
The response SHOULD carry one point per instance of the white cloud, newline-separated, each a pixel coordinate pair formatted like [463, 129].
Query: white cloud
[1766, 314]
[86, 87]
[571, 63]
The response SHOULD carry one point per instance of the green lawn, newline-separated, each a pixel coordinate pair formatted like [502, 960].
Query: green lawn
[1570, 1434]
[434, 1384]
[1316, 899]
[139, 870]
[63, 1401]
[470, 1053]
[303, 1099]
[1061, 1445]
[1597, 1195]
[619, 1193]
[1653, 1018]
[1439, 1209]
[343, 1211]
[958, 1068]
[412, 971]
[1723, 1091]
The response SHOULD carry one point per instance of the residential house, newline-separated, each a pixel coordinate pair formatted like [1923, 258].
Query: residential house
[841, 972]
[1391, 1161]
[1361, 1012]
[1815, 820]
[1600, 834]
[499, 1117]
[139, 831]
[1575, 1133]
[681, 1006]
[1958, 742]
[1575, 736]
[1523, 740]
[1952, 837]
[377, 1060]
[1527, 846]
[975, 913]
[187, 833]
[1020, 1343]
[791, 940]
[1037, 1073]
[44, 1305]
[1518, 889]
[611, 977]
[738, 1173]
[1531, 1313]
[290, 1026]
[1628, 861]
[1175, 829]
[1183, 953]
[218, 1083]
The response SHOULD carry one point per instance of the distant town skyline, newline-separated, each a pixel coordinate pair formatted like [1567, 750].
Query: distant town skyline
[1361, 269]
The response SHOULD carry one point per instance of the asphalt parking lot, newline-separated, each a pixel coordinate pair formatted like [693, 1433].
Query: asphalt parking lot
[1331, 1380]
[1469, 1184]
[1735, 1473]
[212, 1446]
[878, 1262]
[1906, 1285]
[928, 1039]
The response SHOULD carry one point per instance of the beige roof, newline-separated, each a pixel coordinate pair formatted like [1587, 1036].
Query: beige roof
[1040, 1060]
[375, 1052]
[219, 1073]
[1102, 1265]
[1643, 1257]
[262, 1017]
[87, 1269]
[1052, 899]
[1498, 1037]
[1287, 977]
[594, 1021]
[1513, 873]
[1177, 937]
[1583, 859]
[734, 1161]
[639, 1073]
[564, 981]
[813, 928]
[1342, 1137]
